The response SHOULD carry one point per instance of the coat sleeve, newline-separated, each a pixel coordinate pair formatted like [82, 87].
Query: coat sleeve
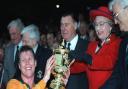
[114, 82]
[106, 58]
[78, 67]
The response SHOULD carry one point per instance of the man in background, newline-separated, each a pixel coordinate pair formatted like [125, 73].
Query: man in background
[75, 44]
[119, 78]
[14, 27]
[31, 37]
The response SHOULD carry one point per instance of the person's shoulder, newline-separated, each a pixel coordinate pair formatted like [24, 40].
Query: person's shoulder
[82, 40]
[115, 37]
[124, 40]
[92, 43]
[13, 83]
[9, 47]
[44, 50]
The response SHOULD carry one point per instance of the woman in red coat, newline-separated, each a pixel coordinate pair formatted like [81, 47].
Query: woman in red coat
[104, 52]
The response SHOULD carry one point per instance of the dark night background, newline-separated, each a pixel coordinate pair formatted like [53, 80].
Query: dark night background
[42, 12]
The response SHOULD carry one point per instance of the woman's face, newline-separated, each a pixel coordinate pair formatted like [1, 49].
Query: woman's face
[102, 27]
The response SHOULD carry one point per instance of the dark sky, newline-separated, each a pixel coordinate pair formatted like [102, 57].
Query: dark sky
[40, 12]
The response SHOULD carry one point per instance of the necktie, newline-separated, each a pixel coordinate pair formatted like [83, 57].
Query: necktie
[16, 62]
[126, 58]
[126, 55]
[17, 52]
[68, 45]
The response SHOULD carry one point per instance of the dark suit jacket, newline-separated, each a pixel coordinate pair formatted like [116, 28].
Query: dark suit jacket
[79, 81]
[9, 67]
[119, 77]
[42, 54]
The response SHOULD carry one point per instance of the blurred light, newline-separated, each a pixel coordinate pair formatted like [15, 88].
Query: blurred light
[57, 6]
[88, 8]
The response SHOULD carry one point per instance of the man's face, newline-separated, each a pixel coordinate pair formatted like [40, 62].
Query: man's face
[43, 39]
[15, 35]
[26, 40]
[50, 39]
[68, 30]
[120, 16]
[83, 29]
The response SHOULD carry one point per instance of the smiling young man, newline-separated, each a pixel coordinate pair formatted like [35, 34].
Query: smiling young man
[27, 64]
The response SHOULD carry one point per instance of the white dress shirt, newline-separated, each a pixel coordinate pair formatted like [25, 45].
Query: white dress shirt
[73, 43]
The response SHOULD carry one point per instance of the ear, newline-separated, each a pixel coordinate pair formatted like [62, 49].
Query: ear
[76, 25]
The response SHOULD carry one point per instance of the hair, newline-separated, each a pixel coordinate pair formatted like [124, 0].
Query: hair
[122, 3]
[33, 31]
[52, 33]
[86, 23]
[27, 48]
[111, 5]
[17, 23]
[2, 43]
[73, 16]
[69, 13]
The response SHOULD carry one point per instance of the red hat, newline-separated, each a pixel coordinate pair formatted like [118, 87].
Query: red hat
[101, 11]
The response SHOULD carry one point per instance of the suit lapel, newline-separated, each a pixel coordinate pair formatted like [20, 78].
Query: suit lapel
[11, 52]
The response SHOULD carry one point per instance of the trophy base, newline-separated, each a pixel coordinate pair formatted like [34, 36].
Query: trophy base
[55, 84]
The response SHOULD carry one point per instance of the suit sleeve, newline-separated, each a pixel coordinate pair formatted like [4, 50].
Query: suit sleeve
[79, 53]
[6, 72]
[80, 56]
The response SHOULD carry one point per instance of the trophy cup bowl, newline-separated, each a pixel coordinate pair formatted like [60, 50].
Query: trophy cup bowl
[61, 67]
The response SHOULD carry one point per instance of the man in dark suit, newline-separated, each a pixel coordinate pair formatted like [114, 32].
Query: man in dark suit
[77, 45]
[14, 27]
[31, 37]
[119, 77]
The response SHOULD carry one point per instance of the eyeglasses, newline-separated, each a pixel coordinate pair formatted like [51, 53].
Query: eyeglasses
[100, 24]
[116, 15]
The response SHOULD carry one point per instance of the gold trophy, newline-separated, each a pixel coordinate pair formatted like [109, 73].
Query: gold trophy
[62, 62]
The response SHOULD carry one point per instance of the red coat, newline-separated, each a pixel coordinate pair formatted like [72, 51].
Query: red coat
[103, 62]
